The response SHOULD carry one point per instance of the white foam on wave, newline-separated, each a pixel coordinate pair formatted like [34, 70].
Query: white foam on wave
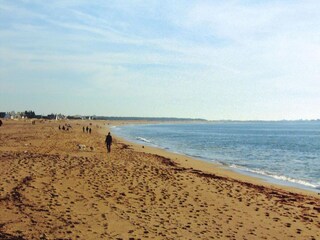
[278, 177]
[302, 182]
[143, 139]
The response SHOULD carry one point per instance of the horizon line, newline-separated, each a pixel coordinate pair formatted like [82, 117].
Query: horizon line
[176, 118]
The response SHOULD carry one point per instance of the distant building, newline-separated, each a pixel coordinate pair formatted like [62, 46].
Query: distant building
[7, 116]
[53, 116]
[60, 116]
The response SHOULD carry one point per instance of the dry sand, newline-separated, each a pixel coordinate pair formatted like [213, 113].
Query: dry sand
[52, 189]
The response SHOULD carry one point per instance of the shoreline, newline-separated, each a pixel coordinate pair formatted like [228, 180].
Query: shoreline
[216, 168]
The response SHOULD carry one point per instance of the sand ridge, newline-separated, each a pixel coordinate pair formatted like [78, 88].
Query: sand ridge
[52, 189]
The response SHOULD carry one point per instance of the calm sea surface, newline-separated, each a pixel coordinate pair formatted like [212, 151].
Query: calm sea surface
[281, 152]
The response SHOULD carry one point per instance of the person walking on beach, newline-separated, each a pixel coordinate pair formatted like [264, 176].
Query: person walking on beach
[82, 129]
[0, 122]
[108, 142]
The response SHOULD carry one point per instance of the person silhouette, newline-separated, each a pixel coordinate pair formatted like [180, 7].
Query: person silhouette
[108, 142]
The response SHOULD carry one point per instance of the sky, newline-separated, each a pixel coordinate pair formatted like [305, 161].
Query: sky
[239, 60]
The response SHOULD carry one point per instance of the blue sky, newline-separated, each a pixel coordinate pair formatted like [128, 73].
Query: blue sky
[209, 59]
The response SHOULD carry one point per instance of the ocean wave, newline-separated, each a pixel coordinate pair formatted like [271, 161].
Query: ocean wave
[143, 139]
[277, 177]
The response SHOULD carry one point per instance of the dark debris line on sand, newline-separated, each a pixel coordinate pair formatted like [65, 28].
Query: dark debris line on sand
[6, 236]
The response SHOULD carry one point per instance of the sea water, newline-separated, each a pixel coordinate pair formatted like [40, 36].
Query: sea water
[280, 152]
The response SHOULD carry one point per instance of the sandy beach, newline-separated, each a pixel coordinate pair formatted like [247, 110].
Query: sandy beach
[57, 184]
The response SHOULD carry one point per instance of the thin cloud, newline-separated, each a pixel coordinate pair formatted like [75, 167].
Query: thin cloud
[232, 54]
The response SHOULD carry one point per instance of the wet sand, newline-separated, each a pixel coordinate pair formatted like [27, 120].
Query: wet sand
[58, 184]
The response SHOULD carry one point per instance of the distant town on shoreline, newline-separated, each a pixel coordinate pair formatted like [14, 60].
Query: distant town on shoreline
[59, 116]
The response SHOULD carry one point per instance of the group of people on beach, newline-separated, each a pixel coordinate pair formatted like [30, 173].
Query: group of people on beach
[108, 140]
[65, 127]
[86, 129]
